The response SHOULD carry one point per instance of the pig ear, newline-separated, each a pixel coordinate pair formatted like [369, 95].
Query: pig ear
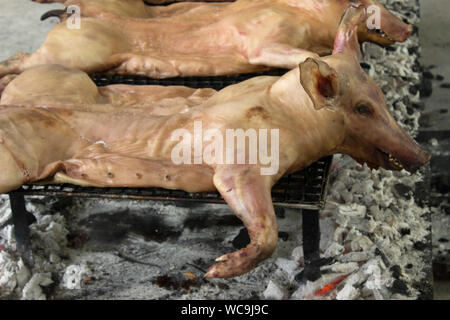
[320, 81]
[346, 40]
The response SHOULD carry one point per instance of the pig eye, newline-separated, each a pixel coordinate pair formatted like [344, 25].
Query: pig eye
[363, 109]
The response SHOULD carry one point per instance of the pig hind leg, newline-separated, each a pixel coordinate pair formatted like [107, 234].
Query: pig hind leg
[84, 51]
[248, 194]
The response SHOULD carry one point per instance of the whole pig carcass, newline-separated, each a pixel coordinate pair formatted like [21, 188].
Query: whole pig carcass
[324, 106]
[239, 37]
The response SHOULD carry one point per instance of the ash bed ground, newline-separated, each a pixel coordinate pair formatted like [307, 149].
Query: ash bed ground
[83, 249]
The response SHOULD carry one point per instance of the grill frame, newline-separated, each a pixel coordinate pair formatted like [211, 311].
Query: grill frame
[304, 189]
[315, 176]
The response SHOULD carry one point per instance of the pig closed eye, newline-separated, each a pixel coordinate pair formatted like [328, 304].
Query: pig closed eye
[363, 110]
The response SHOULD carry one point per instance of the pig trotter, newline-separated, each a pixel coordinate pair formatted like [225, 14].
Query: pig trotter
[248, 194]
[53, 13]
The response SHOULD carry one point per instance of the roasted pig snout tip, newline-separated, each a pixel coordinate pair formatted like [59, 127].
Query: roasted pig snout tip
[423, 159]
[409, 30]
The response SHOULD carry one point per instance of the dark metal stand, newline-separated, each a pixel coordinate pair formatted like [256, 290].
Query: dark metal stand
[21, 220]
[311, 244]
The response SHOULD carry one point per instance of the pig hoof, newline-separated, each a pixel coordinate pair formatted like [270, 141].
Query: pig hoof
[229, 268]
[222, 258]
[237, 263]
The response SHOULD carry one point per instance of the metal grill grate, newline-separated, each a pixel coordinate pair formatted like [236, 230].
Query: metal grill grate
[216, 83]
[304, 189]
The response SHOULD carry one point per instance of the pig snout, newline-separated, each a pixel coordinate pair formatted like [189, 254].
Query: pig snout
[416, 159]
[401, 32]
[408, 153]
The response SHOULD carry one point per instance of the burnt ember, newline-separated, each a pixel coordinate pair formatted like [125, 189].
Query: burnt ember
[177, 282]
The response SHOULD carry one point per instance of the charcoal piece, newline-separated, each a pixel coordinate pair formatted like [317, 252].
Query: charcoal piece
[420, 246]
[283, 235]
[400, 287]
[428, 75]
[413, 90]
[405, 231]
[403, 191]
[426, 88]
[365, 66]
[396, 271]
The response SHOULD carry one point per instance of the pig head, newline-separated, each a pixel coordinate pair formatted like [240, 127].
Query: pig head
[369, 132]
[390, 29]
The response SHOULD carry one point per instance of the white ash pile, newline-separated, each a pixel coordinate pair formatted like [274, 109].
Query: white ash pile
[372, 229]
[49, 245]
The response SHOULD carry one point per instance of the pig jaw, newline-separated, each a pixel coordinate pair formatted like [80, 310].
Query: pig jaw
[395, 152]
[403, 152]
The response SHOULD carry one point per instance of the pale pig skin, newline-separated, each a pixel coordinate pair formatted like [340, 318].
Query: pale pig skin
[325, 106]
[208, 39]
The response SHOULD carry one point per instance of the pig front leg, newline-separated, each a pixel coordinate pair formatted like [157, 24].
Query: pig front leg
[248, 194]
[280, 55]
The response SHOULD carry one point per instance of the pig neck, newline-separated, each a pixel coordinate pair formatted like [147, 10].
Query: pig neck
[321, 132]
[323, 17]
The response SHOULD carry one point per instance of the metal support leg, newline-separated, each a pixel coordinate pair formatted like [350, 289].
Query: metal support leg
[21, 220]
[311, 244]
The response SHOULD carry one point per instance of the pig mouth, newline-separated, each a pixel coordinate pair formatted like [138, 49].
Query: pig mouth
[390, 161]
[380, 37]
[382, 159]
